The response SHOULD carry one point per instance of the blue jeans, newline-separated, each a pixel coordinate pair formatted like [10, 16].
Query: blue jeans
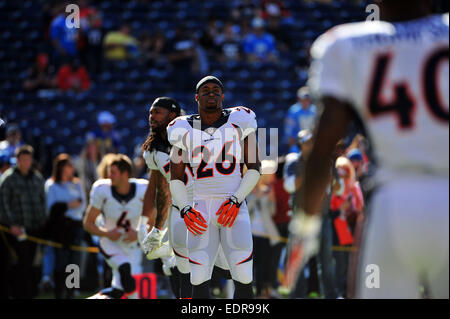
[48, 261]
[326, 263]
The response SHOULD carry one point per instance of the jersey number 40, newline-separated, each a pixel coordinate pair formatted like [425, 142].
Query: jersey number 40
[404, 102]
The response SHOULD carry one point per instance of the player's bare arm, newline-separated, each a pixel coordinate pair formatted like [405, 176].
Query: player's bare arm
[90, 226]
[157, 192]
[163, 200]
[148, 209]
[332, 127]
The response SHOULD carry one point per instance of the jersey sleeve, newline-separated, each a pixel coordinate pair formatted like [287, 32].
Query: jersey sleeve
[97, 195]
[330, 67]
[246, 120]
[177, 132]
[149, 160]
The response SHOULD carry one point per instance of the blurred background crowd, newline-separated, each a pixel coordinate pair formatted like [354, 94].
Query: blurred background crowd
[70, 96]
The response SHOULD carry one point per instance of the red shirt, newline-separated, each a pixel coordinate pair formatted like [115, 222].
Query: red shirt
[282, 202]
[68, 78]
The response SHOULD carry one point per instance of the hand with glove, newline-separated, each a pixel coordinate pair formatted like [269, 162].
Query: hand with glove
[228, 211]
[153, 240]
[194, 220]
[307, 229]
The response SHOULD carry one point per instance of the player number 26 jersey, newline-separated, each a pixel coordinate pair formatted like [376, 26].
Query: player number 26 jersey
[215, 153]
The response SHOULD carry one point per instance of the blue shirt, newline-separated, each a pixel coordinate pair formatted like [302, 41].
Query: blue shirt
[261, 46]
[67, 37]
[298, 119]
[65, 193]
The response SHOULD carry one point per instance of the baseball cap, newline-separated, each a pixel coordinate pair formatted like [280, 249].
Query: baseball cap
[354, 155]
[304, 136]
[208, 79]
[106, 117]
[303, 92]
[168, 103]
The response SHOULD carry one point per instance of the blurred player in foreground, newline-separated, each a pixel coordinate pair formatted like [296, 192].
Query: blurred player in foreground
[394, 75]
[120, 200]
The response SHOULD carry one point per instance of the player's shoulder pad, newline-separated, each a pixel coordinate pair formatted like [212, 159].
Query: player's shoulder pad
[244, 118]
[141, 184]
[342, 34]
[138, 181]
[149, 159]
[177, 131]
[101, 183]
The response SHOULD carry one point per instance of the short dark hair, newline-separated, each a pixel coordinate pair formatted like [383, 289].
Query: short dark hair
[24, 149]
[123, 163]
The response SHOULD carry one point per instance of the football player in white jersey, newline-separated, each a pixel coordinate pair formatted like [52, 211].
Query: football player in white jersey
[156, 154]
[120, 200]
[215, 144]
[394, 75]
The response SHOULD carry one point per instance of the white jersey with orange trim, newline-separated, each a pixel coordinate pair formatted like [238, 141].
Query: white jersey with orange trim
[215, 153]
[159, 159]
[396, 77]
[118, 210]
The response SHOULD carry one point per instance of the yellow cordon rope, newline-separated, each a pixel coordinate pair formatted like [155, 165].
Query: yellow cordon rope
[52, 243]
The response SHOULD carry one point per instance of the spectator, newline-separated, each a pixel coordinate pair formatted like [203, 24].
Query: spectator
[355, 156]
[91, 38]
[360, 142]
[41, 75]
[182, 57]
[22, 210]
[346, 207]
[258, 45]
[301, 116]
[13, 140]
[230, 47]
[121, 45]
[245, 10]
[107, 138]
[63, 39]
[293, 180]
[261, 205]
[6, 161]
[74, 77]
[86, 163]
[281, 219]
[274, 9]
[66, 203]
[211, 35]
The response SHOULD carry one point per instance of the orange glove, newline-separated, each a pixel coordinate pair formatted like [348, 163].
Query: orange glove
[228, 212]
[194, 220]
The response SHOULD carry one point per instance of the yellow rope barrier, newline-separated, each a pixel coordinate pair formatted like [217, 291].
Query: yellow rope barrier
[52, 243]
[285, 240]
[95, 249]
